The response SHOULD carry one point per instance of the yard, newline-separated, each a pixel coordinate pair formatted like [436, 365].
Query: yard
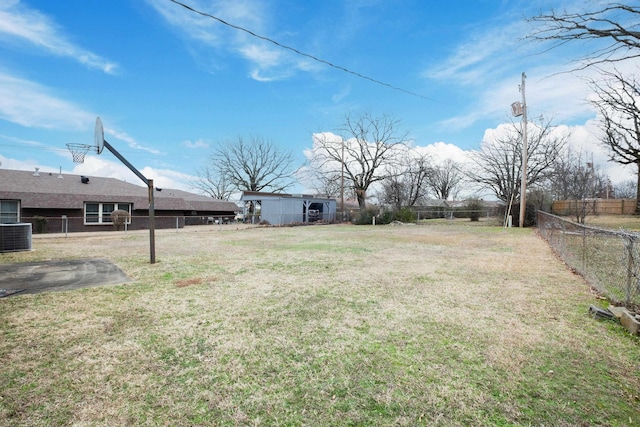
[439, 325]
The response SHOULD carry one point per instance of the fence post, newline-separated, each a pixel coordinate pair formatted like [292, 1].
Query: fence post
[65, 226]
[562, 240]
[584, 251]
[630, 268]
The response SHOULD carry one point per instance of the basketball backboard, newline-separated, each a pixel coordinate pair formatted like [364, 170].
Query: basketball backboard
[99, 136]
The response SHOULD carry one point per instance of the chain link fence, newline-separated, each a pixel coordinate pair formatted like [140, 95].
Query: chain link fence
[609, 260]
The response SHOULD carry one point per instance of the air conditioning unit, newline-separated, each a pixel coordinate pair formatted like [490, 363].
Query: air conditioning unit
[15, 237]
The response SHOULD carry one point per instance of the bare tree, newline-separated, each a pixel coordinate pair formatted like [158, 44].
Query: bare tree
[445, 178]
[602, 186]
[498, 163]
[614, 24]
[209, 182]
[574, 179]
[253, 165]
[617, 101]
[407, 181]
[364, 154]
[322, 183]
[625, 189]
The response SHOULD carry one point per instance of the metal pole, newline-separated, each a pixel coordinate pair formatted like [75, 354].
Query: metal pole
[523, 182]
[149, 182]
[152, 224]
[342, 183]
[126, 162]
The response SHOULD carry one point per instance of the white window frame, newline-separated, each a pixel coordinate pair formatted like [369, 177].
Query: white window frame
[4, 214]
[104, 217]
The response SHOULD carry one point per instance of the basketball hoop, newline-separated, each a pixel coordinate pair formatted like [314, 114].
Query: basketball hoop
[78, 151]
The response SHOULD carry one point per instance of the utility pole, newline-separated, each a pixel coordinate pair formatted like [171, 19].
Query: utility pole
[520, 109]
[523, 182]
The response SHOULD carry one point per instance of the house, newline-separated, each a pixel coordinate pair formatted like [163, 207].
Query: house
[433, 208]
[282, 209]
[55, 202]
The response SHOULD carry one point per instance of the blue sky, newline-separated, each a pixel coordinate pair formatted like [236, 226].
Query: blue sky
[169, 84]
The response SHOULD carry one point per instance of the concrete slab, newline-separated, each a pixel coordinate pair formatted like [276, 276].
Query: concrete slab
[629, 321]
[34, 277]
[617, 311]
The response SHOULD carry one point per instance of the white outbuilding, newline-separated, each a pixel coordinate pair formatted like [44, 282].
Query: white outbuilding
[282, 209]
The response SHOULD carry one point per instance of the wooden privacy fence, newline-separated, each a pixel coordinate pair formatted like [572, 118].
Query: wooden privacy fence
[595, 206]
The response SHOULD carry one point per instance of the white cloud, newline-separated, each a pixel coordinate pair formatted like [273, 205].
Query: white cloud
[162, 178]
[8, 163]
[479, 56]
[340, 96]
[262, 55]
[441, 151]
[131, 142]
[19, 23]
[99, 166]
[20, 141]
[200, 143]
[267, 62]
[243, 13]
[29, 104]
[487, 64]
[167, 178]
[95, 165]
[584, 139]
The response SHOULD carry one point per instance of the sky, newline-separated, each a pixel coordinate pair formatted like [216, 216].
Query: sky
[170, 85]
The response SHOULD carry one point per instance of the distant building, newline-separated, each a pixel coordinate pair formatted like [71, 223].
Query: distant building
[85, 203]
[282, 209]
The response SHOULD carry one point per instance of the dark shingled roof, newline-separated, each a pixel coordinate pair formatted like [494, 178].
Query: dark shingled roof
[49, 191]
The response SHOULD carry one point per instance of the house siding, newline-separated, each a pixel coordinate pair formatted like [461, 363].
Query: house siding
[46, 195]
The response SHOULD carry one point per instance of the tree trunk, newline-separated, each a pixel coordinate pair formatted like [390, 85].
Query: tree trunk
[361, 196]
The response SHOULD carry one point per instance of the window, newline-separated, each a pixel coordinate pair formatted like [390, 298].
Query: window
[9, 211]
[107, 208]
[100, 213]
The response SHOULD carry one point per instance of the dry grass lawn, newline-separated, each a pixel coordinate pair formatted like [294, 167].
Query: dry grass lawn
[439, 325]
[614, 222]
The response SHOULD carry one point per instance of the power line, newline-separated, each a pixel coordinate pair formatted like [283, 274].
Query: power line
[315, 58]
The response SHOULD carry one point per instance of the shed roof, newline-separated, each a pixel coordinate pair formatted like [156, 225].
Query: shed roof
[48, 190]
[256, 195]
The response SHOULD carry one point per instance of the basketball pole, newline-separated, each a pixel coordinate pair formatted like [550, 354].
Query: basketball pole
[149, 182]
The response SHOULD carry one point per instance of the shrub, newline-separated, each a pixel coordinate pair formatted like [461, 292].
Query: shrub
[474, 208]
[386, 217]
[119, 218]
[40, 224]
[366, 217]
[405, 215]
[529, 215]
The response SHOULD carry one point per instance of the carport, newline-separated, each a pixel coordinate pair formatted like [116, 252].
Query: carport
[282, 209]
